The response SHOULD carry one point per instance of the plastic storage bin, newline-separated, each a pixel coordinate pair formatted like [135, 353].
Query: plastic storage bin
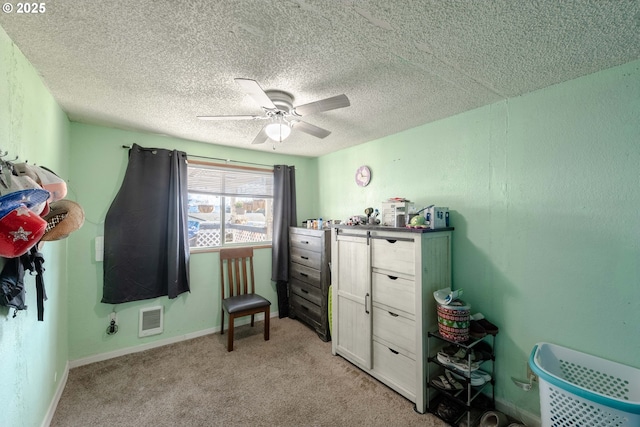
[577, 389]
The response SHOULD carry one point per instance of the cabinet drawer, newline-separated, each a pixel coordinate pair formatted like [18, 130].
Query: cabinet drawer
[306, 291]
[305, 308]
[393, 255]
[394, 329]
[305, 257]
[394, 292]
[305, 274]
[309, 243]
[394, 366]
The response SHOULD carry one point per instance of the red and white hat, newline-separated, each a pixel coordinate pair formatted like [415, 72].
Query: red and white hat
[20, 230]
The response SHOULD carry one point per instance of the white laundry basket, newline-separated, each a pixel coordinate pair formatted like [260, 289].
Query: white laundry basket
[577, 389]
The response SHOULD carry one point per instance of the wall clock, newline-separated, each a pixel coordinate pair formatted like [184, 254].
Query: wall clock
[363, 176]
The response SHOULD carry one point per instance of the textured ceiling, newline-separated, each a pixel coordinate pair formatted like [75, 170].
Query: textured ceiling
[154, 66]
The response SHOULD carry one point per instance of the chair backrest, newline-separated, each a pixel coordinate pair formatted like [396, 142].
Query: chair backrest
[238, 265]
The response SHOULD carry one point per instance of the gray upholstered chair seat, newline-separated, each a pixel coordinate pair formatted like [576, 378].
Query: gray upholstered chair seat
[244, 302]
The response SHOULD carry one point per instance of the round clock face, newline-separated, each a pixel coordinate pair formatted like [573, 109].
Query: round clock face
[363, 176]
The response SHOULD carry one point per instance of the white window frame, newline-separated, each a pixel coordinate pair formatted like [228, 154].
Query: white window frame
[225, 196]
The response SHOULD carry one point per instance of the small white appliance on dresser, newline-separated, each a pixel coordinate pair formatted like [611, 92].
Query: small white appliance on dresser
[382, 301]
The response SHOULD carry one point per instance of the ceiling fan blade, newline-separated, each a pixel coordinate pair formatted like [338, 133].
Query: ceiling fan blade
[253, 89]
[261, 137]
[338, 101]
[310, 129]
[232, 117]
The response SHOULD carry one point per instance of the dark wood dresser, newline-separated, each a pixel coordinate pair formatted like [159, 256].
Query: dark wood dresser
[310, 277]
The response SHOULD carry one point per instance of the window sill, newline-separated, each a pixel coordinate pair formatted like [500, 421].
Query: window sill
[218, 248]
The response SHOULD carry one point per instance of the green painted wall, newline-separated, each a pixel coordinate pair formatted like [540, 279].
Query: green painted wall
[98, 163]
[544, 192]
[33, 354]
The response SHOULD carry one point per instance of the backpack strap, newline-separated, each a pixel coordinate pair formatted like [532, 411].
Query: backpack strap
[41, 294]
[33, 262]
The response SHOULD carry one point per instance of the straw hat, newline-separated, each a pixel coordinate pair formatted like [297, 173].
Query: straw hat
[64, 217]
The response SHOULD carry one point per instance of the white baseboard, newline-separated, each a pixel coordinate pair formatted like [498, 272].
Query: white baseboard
[529, 419]
[56, 397]
[130, 350]
[160, 343]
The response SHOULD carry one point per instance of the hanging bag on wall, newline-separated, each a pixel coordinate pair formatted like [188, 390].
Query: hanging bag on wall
[12, 293]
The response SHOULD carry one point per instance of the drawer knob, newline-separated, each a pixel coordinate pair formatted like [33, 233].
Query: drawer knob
[304, 257]
[393, 314]
[392, 277]
[393, 351]
[304, 274]
[304, 290]
[304, 242]
[391, 240]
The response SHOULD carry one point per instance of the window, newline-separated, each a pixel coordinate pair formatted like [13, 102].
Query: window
[229, 205]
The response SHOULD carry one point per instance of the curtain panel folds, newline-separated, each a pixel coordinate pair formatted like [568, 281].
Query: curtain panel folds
[284, 216]
[146, 247]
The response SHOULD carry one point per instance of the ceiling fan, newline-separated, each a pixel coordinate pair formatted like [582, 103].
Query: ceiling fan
[282, 116]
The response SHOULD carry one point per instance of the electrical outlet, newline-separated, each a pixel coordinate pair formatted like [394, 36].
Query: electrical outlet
[113, 323]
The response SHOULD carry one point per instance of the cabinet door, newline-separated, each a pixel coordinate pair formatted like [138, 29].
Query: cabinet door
[352, 300]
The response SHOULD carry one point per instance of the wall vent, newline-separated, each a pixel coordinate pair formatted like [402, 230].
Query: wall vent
[151, 321]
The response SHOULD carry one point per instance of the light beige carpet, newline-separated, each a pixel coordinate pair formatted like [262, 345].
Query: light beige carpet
[291, 380]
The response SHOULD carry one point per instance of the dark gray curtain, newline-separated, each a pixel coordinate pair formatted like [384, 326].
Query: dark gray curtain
[284, 215]
[146, 248]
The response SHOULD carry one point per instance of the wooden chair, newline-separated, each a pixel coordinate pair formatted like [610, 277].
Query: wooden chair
[238, 291]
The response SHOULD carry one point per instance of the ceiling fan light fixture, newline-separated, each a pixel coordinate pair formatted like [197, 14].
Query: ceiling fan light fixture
[278, 131]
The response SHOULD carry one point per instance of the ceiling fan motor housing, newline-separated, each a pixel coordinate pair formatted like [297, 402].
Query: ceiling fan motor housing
[282, 100]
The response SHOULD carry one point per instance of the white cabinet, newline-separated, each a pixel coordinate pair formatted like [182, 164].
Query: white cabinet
[352, 300]
[383, 282]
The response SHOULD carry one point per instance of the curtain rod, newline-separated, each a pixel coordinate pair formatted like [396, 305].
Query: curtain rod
[217, 158]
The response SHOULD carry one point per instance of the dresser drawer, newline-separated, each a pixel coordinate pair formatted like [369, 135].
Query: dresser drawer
[305, 274]
[306, 291]
[393, 255]
[305, 309]
[394, 292]
[306, 257]
[394, 329]
[395, 367]
[310, 243]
